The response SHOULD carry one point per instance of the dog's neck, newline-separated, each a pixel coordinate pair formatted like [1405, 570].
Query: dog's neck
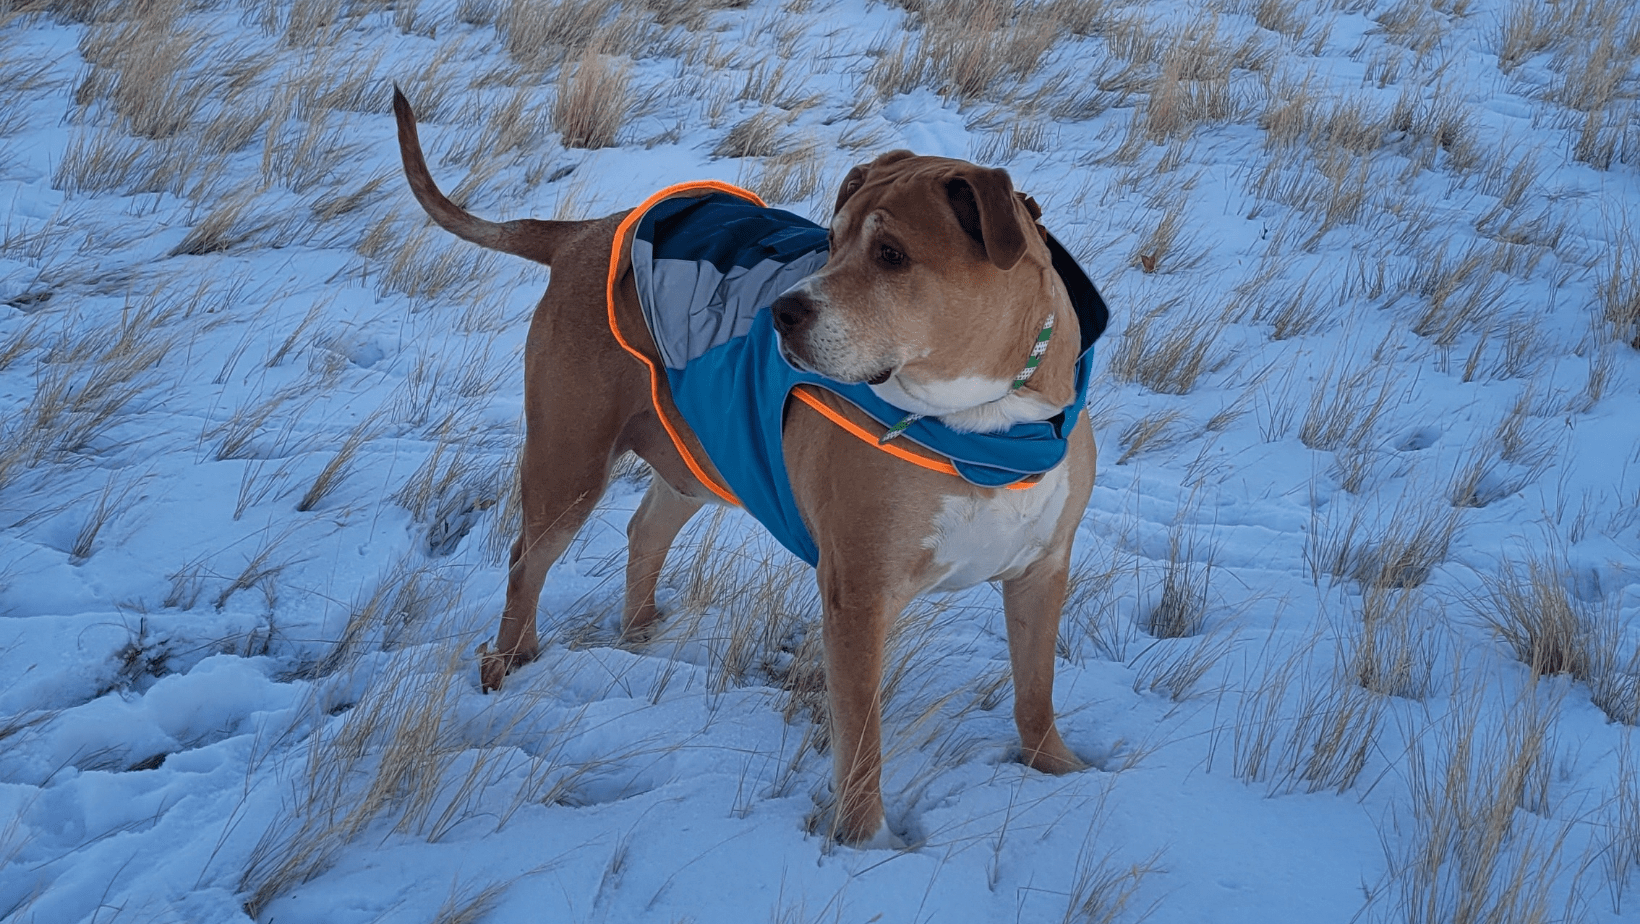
[1044, 386]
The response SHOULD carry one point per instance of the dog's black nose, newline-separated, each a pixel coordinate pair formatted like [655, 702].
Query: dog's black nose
[791, 312]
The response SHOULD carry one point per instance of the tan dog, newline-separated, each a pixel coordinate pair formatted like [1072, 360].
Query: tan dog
[909, 233]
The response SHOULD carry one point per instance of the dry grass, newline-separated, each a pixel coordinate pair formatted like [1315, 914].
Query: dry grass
[1532, 606]
[410, 593]
[760, 135]
[1399, 548]
[428, 265]
[1194, 86]
[1182, 597]
[388, 755]
[1518, 451]
[1295, 312]
[1468, 854]
[97, 161]
[88, 378]
[1295, 730]
[261, 571]
[1617, 829]
[1092, 613]
[1104, 891]
[1619, 287]
[111, 501]
[795, 175]
[972, 49]
[22, 80]
[1176, 670]
[1168, 350]
[1168, 247]
[1150, 433]
[340, 465]
[451, 488]
[542, 36]
[593, 102]
[1398, 647]
[1347, 404]
[232, 222]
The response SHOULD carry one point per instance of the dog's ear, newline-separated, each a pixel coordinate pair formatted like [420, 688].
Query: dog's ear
[1035, 212]
[983, 199]
[857, 176]
[851, 185]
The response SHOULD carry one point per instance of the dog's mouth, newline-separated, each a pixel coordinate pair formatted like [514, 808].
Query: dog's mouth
[798, 364]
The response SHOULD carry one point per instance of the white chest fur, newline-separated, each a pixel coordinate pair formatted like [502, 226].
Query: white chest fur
[988, 536]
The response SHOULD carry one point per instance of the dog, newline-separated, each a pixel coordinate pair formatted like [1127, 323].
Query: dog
[928, 340]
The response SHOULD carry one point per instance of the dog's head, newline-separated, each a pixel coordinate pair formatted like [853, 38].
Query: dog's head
[934, 288]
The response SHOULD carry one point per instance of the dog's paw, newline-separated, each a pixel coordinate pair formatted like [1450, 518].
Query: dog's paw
[883, 839]
[494, 666]
[1056, 761]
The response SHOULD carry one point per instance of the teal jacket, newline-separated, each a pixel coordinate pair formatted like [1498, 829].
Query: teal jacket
[706, 270]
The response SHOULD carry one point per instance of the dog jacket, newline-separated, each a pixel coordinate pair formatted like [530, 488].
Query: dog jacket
[706, 269]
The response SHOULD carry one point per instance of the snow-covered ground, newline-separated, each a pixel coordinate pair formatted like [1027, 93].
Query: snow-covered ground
[1370, 447]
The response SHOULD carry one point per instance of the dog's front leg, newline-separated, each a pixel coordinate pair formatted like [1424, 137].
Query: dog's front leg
[1033, 602]
[858, 610]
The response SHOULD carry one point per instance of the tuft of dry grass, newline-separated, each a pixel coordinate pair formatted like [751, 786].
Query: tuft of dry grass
[387, 755]
[1194, 86]
[340, 465]
[972, 49]
[1532, 606]
[1182, 597]
[760, 135]
[429, 266]
[1617, 828]
[1175, 671]
[1532, 609]
[261, 571]
[1503, 464]
[23, 79]
[109, 504]
[1346, 405]
[1149, 433]
[1168, 351]
[1092, 612]
[1618, 287]
[98, 161]
[1168, 247]
[410, 593]
[1397, 550]
[1466, 856]
[594, 99]
[451, 489]
[1104, 891]
[795, 175]
[1294, 730]
[1396, 651]
[232, 222]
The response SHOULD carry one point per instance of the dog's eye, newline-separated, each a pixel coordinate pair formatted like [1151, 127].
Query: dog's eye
[889, 255]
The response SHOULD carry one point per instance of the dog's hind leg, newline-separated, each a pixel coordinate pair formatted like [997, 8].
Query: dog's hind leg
[649, 536]
[1032, 603]
[560, 486]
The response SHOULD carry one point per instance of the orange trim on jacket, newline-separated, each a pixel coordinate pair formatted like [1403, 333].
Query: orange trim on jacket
[621, 233]
[802, 393]
[806, 394]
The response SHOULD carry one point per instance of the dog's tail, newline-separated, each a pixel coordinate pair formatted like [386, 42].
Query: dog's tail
[529, 238]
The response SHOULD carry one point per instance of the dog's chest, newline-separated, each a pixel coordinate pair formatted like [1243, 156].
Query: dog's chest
[995, 535]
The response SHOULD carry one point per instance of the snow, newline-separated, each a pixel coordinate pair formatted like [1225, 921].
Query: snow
[224, 704]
